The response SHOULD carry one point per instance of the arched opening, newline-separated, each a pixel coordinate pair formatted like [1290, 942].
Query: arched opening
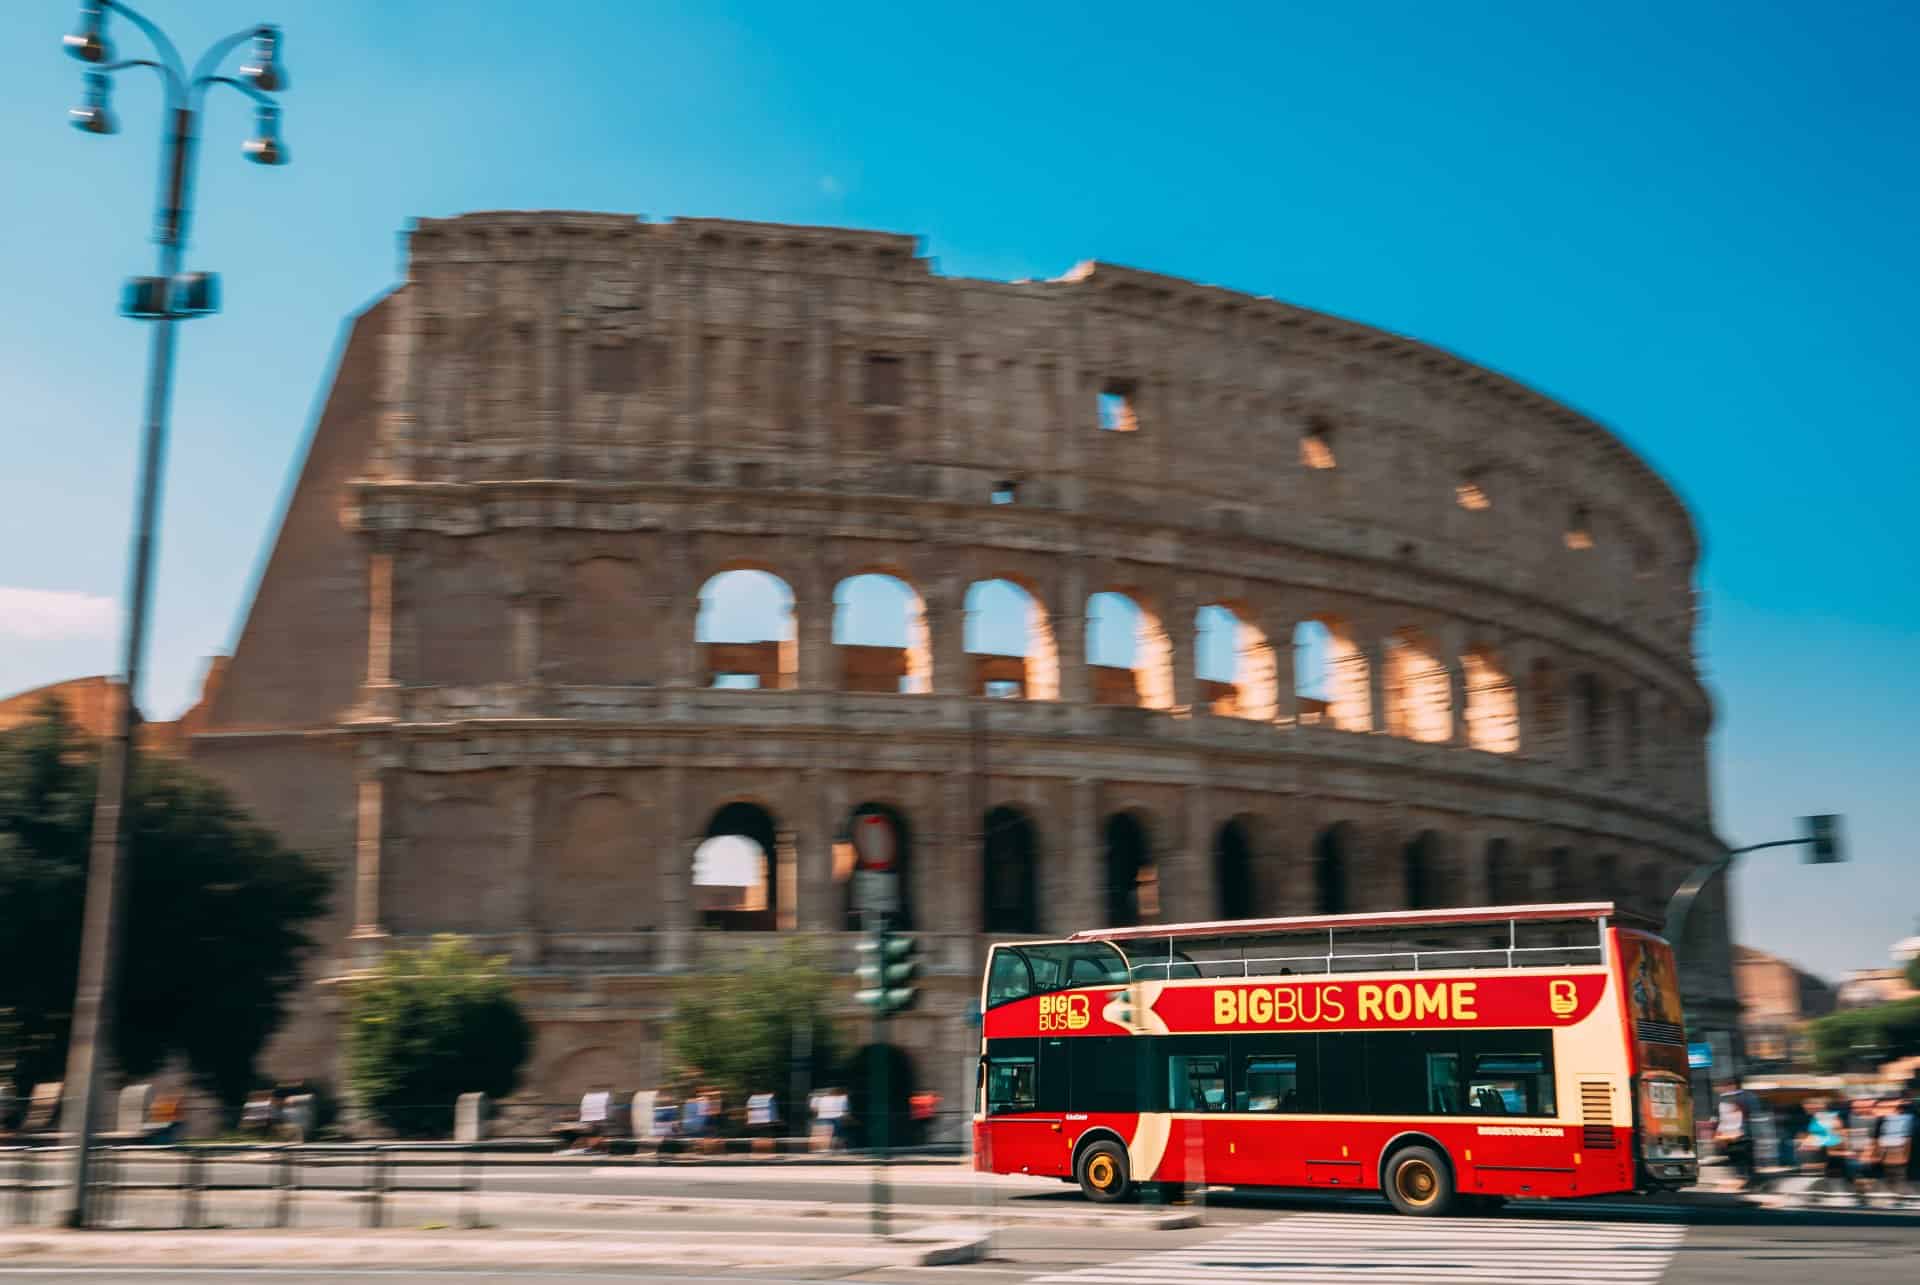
[1010, 643]
[1563, 883]
[1129, 657]
[1133, 885]
[1330, 852]
[901, 1081]
[1233, 871]
[1330, 676]
[1653, 892]
[1424, 873]
[1603, 881]
[1418, 694]
[880, 635]
[1548, 735]
[1233, 665]
[1493, 708]
[596, 869]
[1504, 885]
[1009, 869]
[745, 631]
[845, 858]
[1590, 715]
[743, 876]
[1630, 746]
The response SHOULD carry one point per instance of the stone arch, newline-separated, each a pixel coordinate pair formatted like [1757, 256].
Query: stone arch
[903, 860]
[1234, 880]
[1603, 879]
[1654, 889]
[1560, 876]
[880, 633]
[1121, 674]
[586, 1070]
[1505, 881]
[1132, 882]
[453, 874]
[461, 603]
[743, 875]
[1418, 691]
[1010, 872]
[1426, 880]
[1589, 715]
[607, 625]
[745, 629]
[1332, 869]
[1548, 734]
[1493, 704]
[598, 869]
[1234, 669]
[1008, 622]
[1332, 678]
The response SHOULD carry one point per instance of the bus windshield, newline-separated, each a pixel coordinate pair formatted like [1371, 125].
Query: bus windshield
[1019, 971]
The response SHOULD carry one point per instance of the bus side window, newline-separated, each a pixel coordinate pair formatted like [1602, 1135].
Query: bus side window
[1197, 1082]
[1443, 1083]
[1510, 1084]
[1009, 978]
[1271, 1084]
[1010, 1085]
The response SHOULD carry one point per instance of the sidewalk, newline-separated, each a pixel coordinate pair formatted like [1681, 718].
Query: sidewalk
[929, 1246]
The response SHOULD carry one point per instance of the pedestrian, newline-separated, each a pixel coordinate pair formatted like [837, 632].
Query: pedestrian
[820, 1133]
[921, 1108]
[1734, 1132]
[1863, 1146]
[762, 1114]
[1896, 1144]
[833, 1114]
[666, 1115]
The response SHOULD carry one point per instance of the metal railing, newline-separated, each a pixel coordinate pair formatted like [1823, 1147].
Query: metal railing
[1412, 958]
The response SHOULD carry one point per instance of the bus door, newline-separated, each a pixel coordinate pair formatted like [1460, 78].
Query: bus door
[1273, 1078]
[1202, 1143]
[1027, 1083]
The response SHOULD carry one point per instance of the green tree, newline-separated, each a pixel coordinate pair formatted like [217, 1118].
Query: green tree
[739, 1030]
[217, 910]
[429, 1025]
[1865, 1037]
[1913, 972]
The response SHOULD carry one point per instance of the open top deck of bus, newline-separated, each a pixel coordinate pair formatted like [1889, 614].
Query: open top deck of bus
[1539, 935]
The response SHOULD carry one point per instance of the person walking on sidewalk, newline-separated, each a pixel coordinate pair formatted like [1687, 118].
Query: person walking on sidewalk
[1896, 1145]
[1734, 1133]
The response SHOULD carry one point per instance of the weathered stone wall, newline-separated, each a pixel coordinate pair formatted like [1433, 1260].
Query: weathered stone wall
[561, 426]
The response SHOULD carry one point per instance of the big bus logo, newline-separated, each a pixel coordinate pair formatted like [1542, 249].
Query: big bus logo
[1064, 1013]
[1562, 998]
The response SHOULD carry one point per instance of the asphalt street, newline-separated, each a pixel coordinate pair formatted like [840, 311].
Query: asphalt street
[1046, 1233]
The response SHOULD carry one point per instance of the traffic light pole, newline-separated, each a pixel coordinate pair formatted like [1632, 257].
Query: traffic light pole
[1823, 834]
[880, 1195]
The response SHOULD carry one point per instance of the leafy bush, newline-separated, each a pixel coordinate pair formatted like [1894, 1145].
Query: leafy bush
[739, 1030]
[1867, 1036]
[428, 1026]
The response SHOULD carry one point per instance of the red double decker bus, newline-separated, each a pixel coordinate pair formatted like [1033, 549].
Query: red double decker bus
[1440, 1057]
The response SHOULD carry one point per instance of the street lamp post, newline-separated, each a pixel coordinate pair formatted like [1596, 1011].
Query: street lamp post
[163, 299]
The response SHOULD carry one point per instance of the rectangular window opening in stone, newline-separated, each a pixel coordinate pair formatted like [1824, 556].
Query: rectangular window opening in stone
[1118, 410]
[886, 379]
[1316, 444]
[613, 368]
[1579, 529]
[1005, 492]
[1471, 495]
[1005, 689]
[737, 682]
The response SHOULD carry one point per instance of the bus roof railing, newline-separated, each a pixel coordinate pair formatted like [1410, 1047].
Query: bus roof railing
[1457, 916]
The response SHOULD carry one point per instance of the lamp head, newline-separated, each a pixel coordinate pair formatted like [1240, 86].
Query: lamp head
[93, 116]
[264, 68]
[265, 147]
[88, 42]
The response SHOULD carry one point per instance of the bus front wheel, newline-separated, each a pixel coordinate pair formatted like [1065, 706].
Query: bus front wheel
[1419, 1182]
[1103, 1172]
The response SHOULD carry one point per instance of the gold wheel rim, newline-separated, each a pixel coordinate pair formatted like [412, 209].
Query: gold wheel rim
[1100, 1172]
[1416, 1182]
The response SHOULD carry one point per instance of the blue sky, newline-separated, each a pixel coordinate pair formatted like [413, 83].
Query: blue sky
[1694, 222]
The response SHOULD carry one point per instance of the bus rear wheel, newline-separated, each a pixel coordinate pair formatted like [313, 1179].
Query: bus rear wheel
[1103, 1172]
[1419, 1182]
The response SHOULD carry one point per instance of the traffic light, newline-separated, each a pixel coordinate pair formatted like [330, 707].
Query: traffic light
[1823, 832]
[888, 966]
[191, 294]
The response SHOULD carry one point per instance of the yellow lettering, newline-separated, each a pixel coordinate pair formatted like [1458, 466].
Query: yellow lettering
[1286, 1005]
[1370, 1004]
[1332, 1006]
[1260, 1007]
[1223, 1008]
[1430, 1001]
[1463, 1002]
[1399, 1002]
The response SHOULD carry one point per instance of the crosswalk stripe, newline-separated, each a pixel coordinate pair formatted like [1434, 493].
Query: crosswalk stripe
[1390, 1249]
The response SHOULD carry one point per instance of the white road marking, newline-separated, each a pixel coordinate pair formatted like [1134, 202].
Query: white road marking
[1308, 1248]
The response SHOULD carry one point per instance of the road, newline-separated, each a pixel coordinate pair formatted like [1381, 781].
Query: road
[801, 1215]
